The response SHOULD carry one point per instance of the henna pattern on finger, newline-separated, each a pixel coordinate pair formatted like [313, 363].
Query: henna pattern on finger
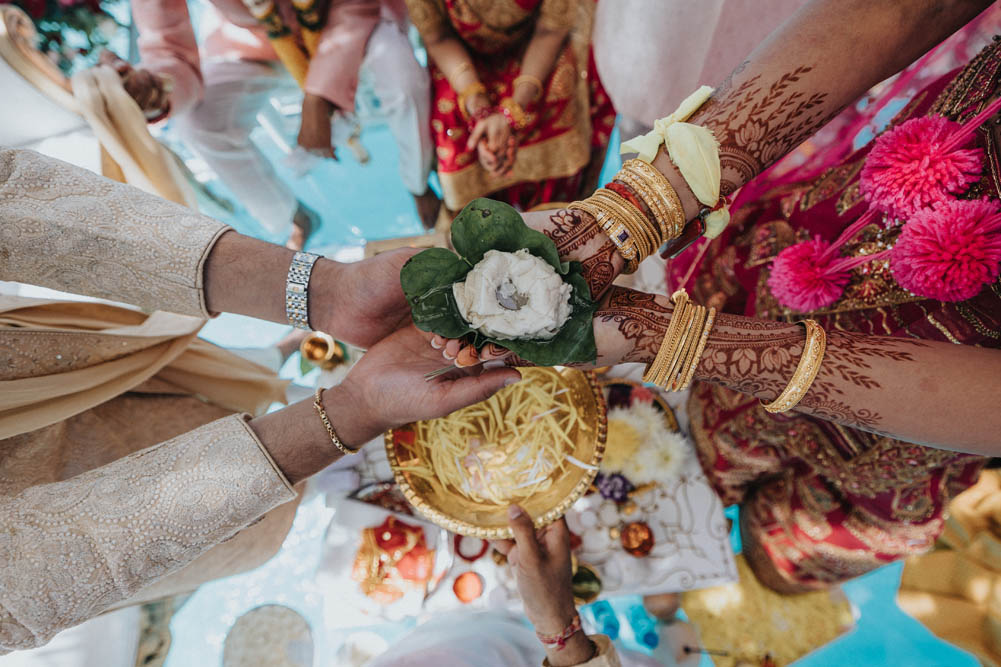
[599, 271]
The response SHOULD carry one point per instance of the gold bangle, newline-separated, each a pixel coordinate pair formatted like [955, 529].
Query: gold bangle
[687, 323]
[515, 112]
[674, 221]
[613, 227]
[688, 345]
[663, 203]
[655, 370]
[806, 371]
[528, 78]
[635, 226]
[697, 357]
[472, 90]
[318, 404]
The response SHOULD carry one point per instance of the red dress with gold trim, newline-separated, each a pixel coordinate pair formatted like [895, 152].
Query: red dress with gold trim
[573, 118]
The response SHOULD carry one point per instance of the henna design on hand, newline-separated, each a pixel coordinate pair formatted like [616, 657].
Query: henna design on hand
[572, 234]
[639, 318]
[756, 123]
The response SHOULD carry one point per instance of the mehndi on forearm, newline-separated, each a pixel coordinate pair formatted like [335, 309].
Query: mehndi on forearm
[926, 392]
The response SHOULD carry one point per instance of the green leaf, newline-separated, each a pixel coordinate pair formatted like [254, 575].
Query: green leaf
[483, 225]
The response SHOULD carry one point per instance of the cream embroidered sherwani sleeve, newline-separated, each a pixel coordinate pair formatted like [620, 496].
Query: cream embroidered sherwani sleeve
[69, 229]
[71, 549]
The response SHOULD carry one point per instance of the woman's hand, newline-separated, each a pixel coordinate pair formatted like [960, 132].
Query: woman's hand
[541, 564]
[146, 88]
[314, 128]
[494, 141]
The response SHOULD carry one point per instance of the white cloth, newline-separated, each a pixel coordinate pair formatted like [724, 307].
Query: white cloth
[218, 129]
[109, 640]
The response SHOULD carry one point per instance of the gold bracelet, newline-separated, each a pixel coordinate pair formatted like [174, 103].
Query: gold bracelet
[687, 324]
[677, 372]
[528, 78]
[666, 196]
[633, 226]
[472, 90]
[515, 113]
[656, 370]
[318, 404]
[658, 194]
[806, 371]
[615, 230]
[697, 357]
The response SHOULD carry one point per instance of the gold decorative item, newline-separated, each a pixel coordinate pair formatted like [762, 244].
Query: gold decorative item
[586, 584]
[322, 350]
[577, 393]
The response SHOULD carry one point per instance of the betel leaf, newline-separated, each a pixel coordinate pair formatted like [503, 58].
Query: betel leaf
[484, 225]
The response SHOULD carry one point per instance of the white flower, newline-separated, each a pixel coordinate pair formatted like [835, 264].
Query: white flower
[513, 295]
[661, 452]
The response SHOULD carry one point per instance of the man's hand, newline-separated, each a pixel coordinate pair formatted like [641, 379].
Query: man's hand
[146, 88]
[314, 130]
[364, 302]
[386, 388]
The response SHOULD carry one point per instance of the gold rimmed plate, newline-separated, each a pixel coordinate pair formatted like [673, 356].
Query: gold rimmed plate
[468, 514]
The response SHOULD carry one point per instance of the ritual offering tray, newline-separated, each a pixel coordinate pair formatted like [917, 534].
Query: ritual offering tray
[537, 443]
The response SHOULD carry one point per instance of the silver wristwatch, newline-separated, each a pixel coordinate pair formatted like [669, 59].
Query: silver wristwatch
[297, 289]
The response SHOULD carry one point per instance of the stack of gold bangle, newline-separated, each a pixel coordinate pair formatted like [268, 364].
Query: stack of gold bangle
[657, 193]
[806, 370]
[631, 230]
[683, 344]
[626, 225]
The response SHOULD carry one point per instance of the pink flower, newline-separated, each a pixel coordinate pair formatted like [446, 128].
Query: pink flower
[910, 167]
[802, 279]
[949, 252]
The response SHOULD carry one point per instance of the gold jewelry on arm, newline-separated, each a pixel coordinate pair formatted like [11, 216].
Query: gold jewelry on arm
[318, 404]
[615, 230]
[677, 372]
[528, 78]
[697, 357]
[657, 193]
[657, 370]
[470, 91]
[806, 371]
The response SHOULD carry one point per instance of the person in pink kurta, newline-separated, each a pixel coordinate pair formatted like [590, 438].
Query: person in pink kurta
[215, 91]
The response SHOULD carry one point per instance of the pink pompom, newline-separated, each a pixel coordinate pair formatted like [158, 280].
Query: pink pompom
[912, 167]
[949, 252]
[806, 276]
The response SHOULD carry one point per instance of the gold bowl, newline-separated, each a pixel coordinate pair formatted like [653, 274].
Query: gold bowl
[461, 514]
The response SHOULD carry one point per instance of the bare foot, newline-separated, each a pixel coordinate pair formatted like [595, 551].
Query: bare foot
[428, 206]
[303, 223]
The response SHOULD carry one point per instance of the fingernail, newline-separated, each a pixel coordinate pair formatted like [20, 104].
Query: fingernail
[448, 356]
[513, 512]
[436, 343]
[490, 365]
[510, 381]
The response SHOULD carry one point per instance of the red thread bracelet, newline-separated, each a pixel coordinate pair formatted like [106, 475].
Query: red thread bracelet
[560, 640]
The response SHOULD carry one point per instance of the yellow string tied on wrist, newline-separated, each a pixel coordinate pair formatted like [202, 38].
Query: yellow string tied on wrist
[694, 151]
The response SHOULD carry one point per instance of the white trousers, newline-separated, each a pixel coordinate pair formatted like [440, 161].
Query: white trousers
[218, 128]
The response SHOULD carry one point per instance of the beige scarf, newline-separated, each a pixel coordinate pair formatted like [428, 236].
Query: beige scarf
[66, 357]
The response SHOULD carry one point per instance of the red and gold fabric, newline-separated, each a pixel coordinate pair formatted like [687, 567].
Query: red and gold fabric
[824, 502]
[572, 118]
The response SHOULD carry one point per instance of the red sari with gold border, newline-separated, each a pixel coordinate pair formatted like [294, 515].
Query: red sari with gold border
[572, 121]
[821, 501]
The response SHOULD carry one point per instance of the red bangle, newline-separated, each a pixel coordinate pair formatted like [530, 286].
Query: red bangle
[560, 640]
